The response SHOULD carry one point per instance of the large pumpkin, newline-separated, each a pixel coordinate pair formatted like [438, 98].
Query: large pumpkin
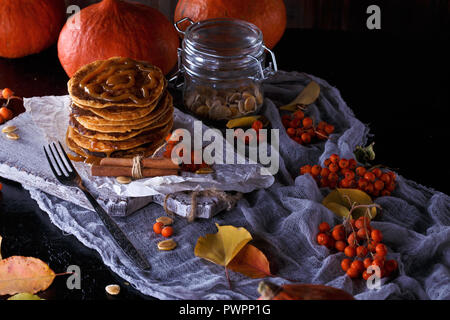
[118, 28]
[29, 26]
[268, 15]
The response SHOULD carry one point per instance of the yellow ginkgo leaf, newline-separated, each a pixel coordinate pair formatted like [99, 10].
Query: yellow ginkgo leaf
[223, 246]
[25, 296]
[340, 201]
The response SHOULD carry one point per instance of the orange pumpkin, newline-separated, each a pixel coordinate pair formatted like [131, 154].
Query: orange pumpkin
[29, 26]
[268, 15]
[271, 291]
[118, 28]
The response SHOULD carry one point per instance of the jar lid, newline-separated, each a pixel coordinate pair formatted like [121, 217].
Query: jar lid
[222, 45]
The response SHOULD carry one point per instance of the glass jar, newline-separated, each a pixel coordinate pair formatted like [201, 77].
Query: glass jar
[223, 61]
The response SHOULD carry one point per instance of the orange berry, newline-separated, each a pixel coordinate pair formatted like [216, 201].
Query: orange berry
[324, 172]
[378, 262]
[340, 245]
[343, 163]
[352, 223]
[338, 232]
[369, 189]
[350, 251]
[322, 239]
[295, 123]
[360, 171]
[324, 182]
[376, 235]
[6, 113]
[290, 132]
[315, 170]
[333, 167]
[7, 93]
[307, 122]
[352, 240]
[369, 176]
[329, 128]
[379, 185]
[352, 164]
[1, 120]
[366, 275]
[391, 265]
[305, 169]
[299, 114]
[333, 177]
[386, 178]
[324, 227]
[334, 158]
[362, 234]
[377, 172]
[371, 246]
[358, 265]
[257, 125]
[362, 222]
[381, 250]
[157, 227]
[361, 251]
[362, 183]
[306, 137]
[349, 175]
[321, 125]
[353, 273]
[367, 262]
[345, 264]
[167, 231]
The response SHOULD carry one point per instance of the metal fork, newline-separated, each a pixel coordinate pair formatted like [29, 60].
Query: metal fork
[73, 179]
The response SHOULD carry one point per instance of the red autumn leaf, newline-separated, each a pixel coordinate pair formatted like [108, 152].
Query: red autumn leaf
[251, 262]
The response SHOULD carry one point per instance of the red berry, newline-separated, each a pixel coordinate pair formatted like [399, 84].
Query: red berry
[345, 264]
[358, 265]
[324, 172]
[334, 158]
[352, 164]
[376, 235]
[367, 262]
[381, 250]
[350, 251]
[305, 169]
[353, 273]
[377, 172]
[349, 175]
[386, 178]
[369, 176]
[324, 227]
[333, 177]
[362, 183]
[361, 251]
[329, 129]
[333, 167]
[361, 171]
[322, 239]
[299, 114]
[338, 232]
[315, 170]
[391, 265]
[157, 227]
[307, 122]
[306, 137]
[343, 163]
[352, 240]
[378, 185]
[340, 245]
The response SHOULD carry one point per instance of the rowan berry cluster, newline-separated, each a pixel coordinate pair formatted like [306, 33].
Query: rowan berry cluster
[302, 130]
[362, 246]
[345, 173]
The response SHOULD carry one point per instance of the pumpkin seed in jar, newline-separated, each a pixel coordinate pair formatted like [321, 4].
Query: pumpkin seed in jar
[250, 104]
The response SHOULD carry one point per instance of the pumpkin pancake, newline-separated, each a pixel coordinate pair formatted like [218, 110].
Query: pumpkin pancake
[117, 136]
[117, 82]
[116, 127]
[145, 150]
[112, 146]
[93, 121]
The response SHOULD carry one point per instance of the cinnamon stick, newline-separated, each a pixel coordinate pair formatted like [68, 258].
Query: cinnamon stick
[117, 171]
[155, 163]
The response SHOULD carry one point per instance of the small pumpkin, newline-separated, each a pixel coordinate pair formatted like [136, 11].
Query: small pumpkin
[118, 28]
[29, 26]
[271, 291]
[267, 15]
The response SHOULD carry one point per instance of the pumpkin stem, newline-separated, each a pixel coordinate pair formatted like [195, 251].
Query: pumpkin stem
[268, 290]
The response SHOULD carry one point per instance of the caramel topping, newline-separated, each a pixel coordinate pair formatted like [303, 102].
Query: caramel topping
[115, 81]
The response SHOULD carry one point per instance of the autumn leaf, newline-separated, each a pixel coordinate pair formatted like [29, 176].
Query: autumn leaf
[221, 247]
[340, 201]
[25, 296]
[24, 274]
[251, 262]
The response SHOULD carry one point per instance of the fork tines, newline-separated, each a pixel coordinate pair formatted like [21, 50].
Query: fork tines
[61, 166]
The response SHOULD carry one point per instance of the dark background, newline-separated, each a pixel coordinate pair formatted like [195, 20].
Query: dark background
[395, 79]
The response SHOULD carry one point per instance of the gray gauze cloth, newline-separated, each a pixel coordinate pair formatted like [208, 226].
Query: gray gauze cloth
[283, 221]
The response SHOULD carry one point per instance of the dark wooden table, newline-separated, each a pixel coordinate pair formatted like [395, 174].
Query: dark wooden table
[397, 83]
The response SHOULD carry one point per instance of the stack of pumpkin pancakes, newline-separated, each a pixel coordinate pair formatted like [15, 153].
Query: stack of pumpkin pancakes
[120, 108]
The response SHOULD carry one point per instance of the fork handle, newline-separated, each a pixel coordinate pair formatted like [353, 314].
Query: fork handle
[121, 239]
